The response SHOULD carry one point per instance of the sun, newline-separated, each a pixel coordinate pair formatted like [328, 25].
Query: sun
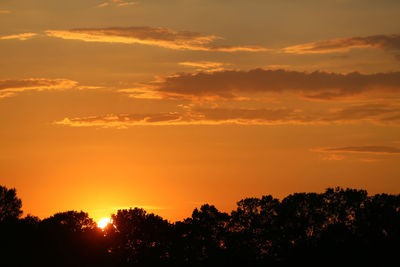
[103, 223]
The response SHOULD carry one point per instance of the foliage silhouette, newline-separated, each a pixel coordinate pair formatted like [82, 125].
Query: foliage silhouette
[338, 226]
[10, 205]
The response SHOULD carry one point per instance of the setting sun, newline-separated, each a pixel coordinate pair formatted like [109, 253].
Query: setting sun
[103, 223]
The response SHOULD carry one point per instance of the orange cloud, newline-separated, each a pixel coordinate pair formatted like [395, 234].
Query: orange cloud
[333, 157]
[122, 121]
[11, 87]
[141, 93]
[190, 115]
[380, 42]
[21, 36]
[264, 116]
[361, 149]
[231, 84]
[207, 66]
[200, 116]
[4, 11]
[118, 3]
[379, 113]
[162, 37]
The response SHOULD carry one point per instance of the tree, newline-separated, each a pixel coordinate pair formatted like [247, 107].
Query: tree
[254, 229]
[72, 221]
[139, 238]
[70, 238]
[10, 205]
[203, 237]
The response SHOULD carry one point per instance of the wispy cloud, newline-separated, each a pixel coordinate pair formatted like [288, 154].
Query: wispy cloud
[21, 36]
[380, 42]
[333, 157]
[277, 66]
[191, 116]
[367, 154]
[199, 115]
[144, 92]
[118, 3]
[12, 87]
[207, 66]
[162, 37]
[4, 11]
[361, 149]
[231, 84]
[122, 121]
[378, 113]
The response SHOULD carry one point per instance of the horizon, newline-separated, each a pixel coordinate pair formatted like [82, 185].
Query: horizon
[150, 210]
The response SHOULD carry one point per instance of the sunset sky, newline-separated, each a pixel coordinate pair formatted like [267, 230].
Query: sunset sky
[170, 104]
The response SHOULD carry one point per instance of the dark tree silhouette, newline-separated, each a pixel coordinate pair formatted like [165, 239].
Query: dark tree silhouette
[254, 229]
[338, 226]
[10, 205]
[139, 238]
[203, 237]
[71, 221]
[67, 239]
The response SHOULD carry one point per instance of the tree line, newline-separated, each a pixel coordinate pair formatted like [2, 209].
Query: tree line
[338, 226]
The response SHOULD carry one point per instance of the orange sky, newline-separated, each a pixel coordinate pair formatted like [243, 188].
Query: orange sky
[167, 105]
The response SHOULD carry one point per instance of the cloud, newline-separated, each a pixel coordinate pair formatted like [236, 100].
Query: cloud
[3, 11]
[265, 116]
[199, 115]
[231, 84]
[12, 87]
[162, 37]
[207, 66]
[141, 93]
[118, 3]
[122, 121]
[277, 66]
[195, 116]
[378, 113]
[380, 42]
[7, 94]
[21, 36]
[333, 157]
[361, 149]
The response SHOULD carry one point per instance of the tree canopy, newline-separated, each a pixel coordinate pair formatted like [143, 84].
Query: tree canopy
[341, 226]
[10, 205]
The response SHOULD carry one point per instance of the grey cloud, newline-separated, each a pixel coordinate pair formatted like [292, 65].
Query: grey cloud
[231, 84]
[380, 42]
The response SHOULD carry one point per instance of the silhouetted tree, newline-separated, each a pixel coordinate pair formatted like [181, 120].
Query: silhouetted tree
[10, 205]
[338, 226]
[71, 239]
[254, 229]
[203, 237]
[10, 234]
[139, 238]
[71, 221]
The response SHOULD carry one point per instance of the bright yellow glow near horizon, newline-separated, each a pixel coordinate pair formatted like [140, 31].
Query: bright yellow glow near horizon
[103, 223]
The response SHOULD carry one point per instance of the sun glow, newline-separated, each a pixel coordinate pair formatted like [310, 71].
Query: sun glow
[103, 223]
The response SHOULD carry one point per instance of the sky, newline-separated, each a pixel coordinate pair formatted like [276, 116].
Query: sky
[168, 105]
